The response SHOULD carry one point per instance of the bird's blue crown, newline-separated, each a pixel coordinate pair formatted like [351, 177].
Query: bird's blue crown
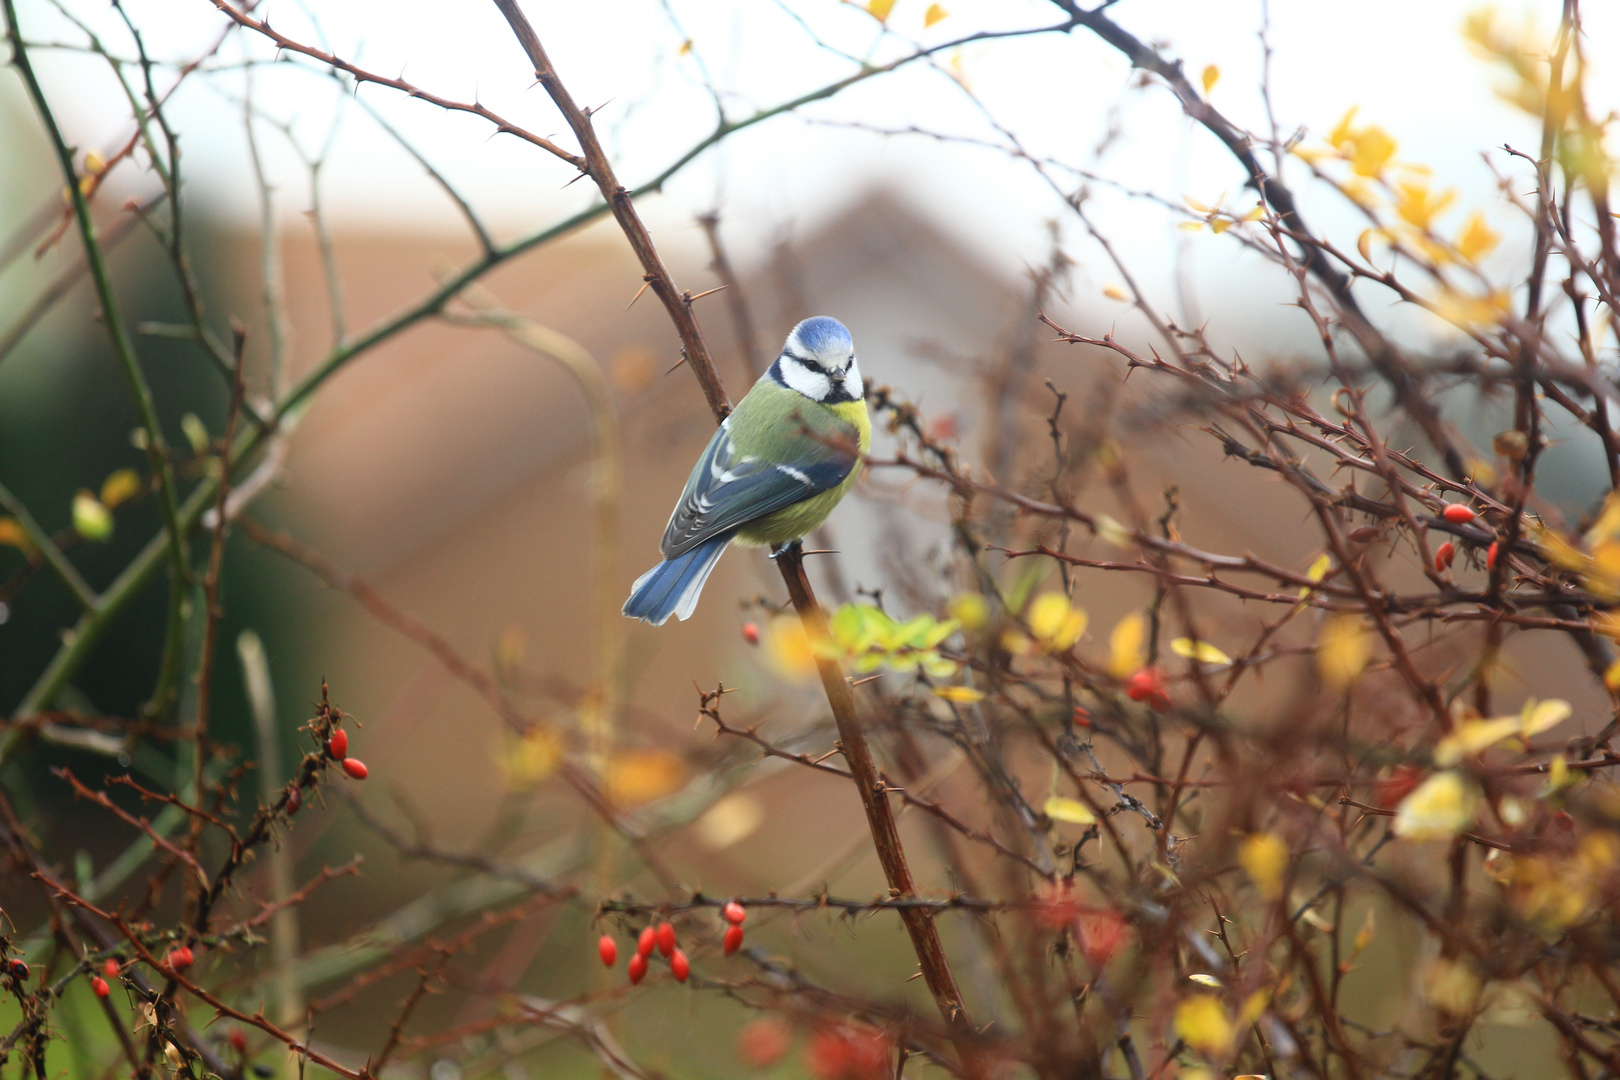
[822, 333]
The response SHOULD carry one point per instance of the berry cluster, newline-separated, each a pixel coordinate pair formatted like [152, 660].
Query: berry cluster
[662, 938]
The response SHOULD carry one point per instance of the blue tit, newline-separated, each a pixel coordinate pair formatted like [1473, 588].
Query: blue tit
[773, 471]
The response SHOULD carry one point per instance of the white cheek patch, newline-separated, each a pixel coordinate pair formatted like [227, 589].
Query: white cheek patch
[809, 383]
[852, 380]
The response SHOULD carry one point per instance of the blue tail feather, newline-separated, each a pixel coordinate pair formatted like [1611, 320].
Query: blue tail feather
[673, 586]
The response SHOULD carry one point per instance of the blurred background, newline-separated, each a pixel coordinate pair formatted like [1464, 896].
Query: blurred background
[450, 467]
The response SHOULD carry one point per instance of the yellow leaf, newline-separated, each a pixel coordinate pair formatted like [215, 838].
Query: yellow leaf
[1342, 131]
[961, 695]
[1543, 716]
[935, 13]
[1202, 651]
[1598, 853]
[686, 47]
[1372, 150]
[1114, 292]
[1471, 738]
[1256, 214]
[1364, 936]
[1191, 226]
[1468, 311]
[1253, 1006]
[1074, 811]
[1264, 857]
[1220, 225]
[1417, 205]
[94, 162]
[640, 776]
[1607, 526]
[1055, 623]
[91, 520]
[734, 818]
[119, 487]
[1364, 244]
[1198, 206]
[1017, 643]
[1476, 238]
[1205, 980]
[789, 649]
[1559, 551]
[1211, 76]
[1318, 570]
[1113, 532]
[1515, 812]
[1342, 649]
[12, 535]
[1558, 776]
[1127, 645]
[1440, 808]
[1452, 986]
[532, 757]
[1202, 1024]
[1611, 677]
[971, 610]
[879, 9]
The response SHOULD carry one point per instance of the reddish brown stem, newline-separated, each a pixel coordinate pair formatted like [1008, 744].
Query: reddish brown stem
[936, 970]
[596, 165]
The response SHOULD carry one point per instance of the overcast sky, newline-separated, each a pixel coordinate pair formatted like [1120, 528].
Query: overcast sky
[1403, 62]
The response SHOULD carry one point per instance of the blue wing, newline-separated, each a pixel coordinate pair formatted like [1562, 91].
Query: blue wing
[728, 489]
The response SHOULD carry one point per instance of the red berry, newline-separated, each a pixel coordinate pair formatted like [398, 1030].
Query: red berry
[645, 943]
[638, 968]
[1565, 820]
[734, 912]
[1147, 685]
[99, 985]
[1082, 716]
[355, 768]
[846, 1053]
[295, 800]
[1400, 783]
[734, 935]
[763, 1042]
[750, 633]
[237, 1040]
[111, 968]
[607, 949]
[338, 744]
[181, 958]
[1457, 513]
[678, 966]
[18, 969]
[1491, 553]
[666, 938]
[1443, 556]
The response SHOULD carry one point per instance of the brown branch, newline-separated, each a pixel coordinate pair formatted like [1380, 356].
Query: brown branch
[880, 816]
[920, 926]
[595, 163]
